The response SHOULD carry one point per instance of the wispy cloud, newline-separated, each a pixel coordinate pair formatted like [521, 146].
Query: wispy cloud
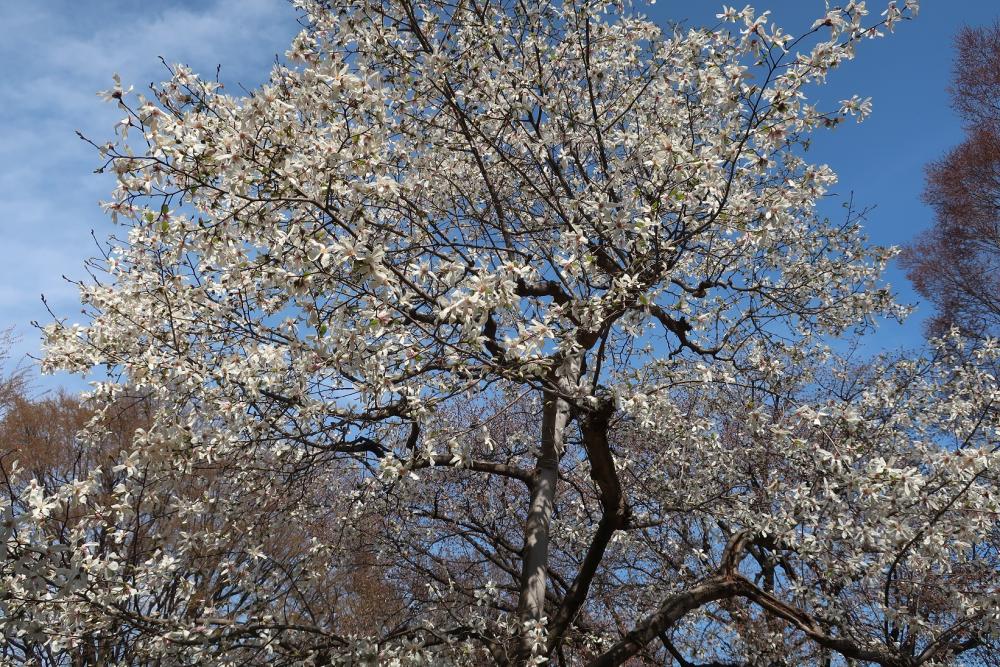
[57, 55]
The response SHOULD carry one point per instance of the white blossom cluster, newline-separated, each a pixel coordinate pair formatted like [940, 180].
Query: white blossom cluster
[520, 306]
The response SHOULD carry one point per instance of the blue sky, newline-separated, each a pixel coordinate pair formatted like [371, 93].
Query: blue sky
[58, 53]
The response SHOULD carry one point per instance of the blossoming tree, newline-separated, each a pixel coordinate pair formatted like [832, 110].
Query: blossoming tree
[526, 301]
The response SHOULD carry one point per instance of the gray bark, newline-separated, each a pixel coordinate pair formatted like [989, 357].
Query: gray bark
[555, 417]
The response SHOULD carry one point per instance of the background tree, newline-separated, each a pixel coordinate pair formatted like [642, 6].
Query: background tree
[40, 452]
[12, 382]
[956, 263]
[477, 287]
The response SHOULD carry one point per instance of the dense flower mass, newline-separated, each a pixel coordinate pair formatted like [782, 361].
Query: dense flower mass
[495, 332]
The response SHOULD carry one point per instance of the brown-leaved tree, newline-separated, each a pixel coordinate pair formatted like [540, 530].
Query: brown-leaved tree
[956, 263]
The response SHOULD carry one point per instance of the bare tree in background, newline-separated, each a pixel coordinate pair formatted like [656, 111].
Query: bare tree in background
[40, 447]
[11, 383]
[955, 263]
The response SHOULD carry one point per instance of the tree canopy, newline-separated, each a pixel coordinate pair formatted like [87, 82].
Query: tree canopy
[514, 316]
[955, 263]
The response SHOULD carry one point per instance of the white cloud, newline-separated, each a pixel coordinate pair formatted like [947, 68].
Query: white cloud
[57, 55]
